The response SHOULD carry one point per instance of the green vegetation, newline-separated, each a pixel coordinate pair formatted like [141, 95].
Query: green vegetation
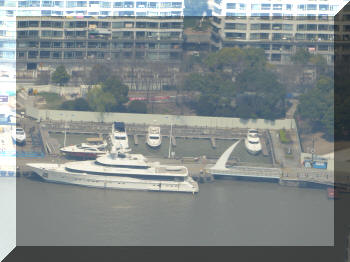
[284, 137]
[137, 107]
[53, 100]
[317, 106]
[110, 97]
[237, 83]
[60, 76]
[79, 104]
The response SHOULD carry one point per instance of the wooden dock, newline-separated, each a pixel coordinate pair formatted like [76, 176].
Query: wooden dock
[264, 146]
[213, 142]
[136, 139]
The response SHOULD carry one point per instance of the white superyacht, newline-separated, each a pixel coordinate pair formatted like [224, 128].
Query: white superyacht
[119, 170]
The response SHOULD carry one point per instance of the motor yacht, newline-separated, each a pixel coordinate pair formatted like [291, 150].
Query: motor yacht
[119, 170]
[153, 137]
[252, 142]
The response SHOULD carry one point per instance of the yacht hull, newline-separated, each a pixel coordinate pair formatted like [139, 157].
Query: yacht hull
[113, 182]
[252, 150]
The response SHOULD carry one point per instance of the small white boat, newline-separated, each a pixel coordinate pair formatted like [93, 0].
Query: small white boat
[252, 142]
[154, 138]
[18, 136]
[93, 148]
[119, 136]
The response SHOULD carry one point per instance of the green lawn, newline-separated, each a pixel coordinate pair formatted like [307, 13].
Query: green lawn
[53, 100]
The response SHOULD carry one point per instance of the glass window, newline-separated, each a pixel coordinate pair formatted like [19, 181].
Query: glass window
[324, 7]
[231, 6]
[312, 7]
[255, 7]
[277, 7]
[118, 5]
[265, 6]
[288, 7]
[241, 6]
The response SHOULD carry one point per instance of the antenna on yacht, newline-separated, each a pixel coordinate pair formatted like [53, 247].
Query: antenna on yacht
[65, 134]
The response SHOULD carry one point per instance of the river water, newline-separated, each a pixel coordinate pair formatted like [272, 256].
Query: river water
[224, 212]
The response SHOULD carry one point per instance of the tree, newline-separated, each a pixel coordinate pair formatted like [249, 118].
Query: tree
[301, 57]
[137, 107]
[60, 76]
[99, 73]
[317, 106]
[109, 97]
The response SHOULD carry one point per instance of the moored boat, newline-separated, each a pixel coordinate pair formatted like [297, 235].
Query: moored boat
[153, 137]
[93, 148]
[119, 170]
[252, 142]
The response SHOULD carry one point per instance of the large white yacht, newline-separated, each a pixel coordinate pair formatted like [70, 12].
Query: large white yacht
[119, 136]
[153, 137]
[119, 170]
[252, 142]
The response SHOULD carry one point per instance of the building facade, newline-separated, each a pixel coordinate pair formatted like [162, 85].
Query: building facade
[279, 27]
[10, 9]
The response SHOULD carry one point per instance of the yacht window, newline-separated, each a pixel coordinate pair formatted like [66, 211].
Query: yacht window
[253, 142]
[154, 137]
[120, 137]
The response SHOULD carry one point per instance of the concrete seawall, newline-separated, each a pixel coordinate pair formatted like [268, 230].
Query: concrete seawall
[179, 120]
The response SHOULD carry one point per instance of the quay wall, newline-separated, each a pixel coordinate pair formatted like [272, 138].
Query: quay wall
[149, 119]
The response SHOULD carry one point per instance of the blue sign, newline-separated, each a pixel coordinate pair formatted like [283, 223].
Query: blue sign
[4, 98]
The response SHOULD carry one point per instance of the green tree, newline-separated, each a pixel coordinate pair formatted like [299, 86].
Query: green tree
[317, 106]
[110, 97]
[301, 57]
[137, 107]
[60, 76]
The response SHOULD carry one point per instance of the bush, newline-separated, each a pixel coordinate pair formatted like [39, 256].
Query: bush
[79, 104]
[137, 107]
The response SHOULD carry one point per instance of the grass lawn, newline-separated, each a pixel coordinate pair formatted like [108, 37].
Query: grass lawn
[53, 100]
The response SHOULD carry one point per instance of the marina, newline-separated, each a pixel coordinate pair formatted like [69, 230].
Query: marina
[197, 149]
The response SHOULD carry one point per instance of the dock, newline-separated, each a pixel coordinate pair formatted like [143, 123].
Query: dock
[136, 139]
[264, 150]
[212, 141]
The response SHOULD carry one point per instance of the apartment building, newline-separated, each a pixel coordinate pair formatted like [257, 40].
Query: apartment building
[10, 9]
[52, 40]
[279, 27]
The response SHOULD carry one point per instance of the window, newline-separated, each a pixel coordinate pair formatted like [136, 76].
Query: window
[152, 4]
[118, 5]
[312, 7]
[324, 7]
[277, 7]
[301, 7]
[265, 6]
[255, 7]
[230, 6]
[241, 6]
[288, 7]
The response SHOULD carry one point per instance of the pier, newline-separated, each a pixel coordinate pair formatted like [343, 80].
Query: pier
[136, 139]
[212, 141]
